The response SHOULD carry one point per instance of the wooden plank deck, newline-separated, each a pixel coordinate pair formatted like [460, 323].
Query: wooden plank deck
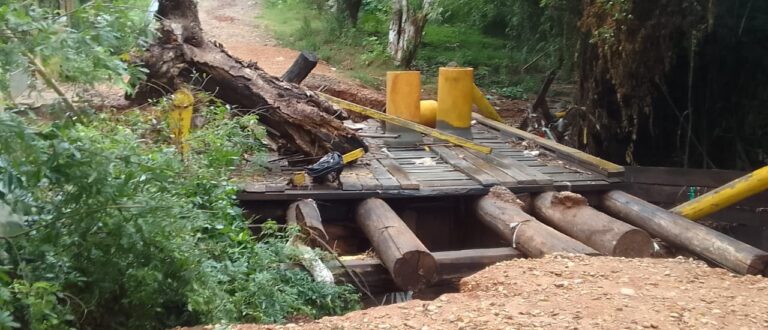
[436, 168]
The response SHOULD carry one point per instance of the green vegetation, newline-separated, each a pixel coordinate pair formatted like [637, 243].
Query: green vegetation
[479, 34]
[103, 224]
[112, 229]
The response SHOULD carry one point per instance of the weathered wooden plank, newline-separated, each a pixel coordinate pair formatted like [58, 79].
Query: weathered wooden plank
[681, 176]
[462, 165]
[584, 159]
[522, 173]
[255, 188]
[504, 178]
[449, 183]
[575, 176]
[349, 180]
[406, 182]
[388, 182]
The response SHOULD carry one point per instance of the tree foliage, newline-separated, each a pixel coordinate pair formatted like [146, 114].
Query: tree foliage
[121, 232]
[82, 46]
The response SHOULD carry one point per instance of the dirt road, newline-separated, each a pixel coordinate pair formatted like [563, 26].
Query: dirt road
[578, 292]
[233, 23]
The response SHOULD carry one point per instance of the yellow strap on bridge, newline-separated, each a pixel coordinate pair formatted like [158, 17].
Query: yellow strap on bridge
[453, 139]
[725, 196]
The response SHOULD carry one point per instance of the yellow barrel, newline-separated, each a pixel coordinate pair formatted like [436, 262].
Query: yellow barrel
[454, 97]
[428, 113]
[404, 94]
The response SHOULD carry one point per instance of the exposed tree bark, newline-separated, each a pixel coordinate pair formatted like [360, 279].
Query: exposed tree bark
[296, 117]
[409, 262]
[409, 17]
[570, 214]
[501, 211]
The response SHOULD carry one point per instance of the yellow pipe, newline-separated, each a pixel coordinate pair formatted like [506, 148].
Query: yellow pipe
[484, 107]
[428, 113]
[180, 118]
[404, 95]
[725, 196]
[454, 97]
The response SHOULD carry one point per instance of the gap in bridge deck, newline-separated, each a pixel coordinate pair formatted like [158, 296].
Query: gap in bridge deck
[442, 224]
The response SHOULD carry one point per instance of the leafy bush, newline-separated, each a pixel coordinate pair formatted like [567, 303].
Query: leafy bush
[82, 46]
[113, 229]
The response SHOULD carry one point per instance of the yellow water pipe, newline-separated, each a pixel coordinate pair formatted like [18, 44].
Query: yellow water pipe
[454, 97]
[484, 107]
[725, 196]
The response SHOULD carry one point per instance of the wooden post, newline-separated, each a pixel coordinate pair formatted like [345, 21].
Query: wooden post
[305, 214]
[409, 262]
[501, 211]
[300, 69]
[681, 232]
[570, 214]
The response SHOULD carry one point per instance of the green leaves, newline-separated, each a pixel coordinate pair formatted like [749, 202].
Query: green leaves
[121, 232]
[83, 46]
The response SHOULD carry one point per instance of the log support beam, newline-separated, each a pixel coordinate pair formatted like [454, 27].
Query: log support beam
[409, 262]
[452, 266]
[681, 232]
[502, 212]
[304, 213]
[570, 214]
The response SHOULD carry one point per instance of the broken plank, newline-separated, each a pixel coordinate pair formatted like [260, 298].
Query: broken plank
[462, 165]
[522, 173]
[388, 182]
[504, 178]
[406, 182]
[349, 181]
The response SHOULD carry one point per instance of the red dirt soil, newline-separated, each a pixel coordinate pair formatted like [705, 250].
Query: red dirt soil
[577, 292]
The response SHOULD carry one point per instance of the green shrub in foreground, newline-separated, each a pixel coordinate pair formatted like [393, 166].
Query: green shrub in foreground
[117, 231]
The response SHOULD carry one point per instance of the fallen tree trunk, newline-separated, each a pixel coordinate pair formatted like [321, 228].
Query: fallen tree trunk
[409, 262]
[296, 117]
[570, 214]
[681, 232]
[501, 211]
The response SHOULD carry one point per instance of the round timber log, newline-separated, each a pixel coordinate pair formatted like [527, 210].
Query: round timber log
[409, 262]
[570, 214]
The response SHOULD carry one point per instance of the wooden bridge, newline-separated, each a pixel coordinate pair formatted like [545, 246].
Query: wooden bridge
[434, 212]
[436, 168]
